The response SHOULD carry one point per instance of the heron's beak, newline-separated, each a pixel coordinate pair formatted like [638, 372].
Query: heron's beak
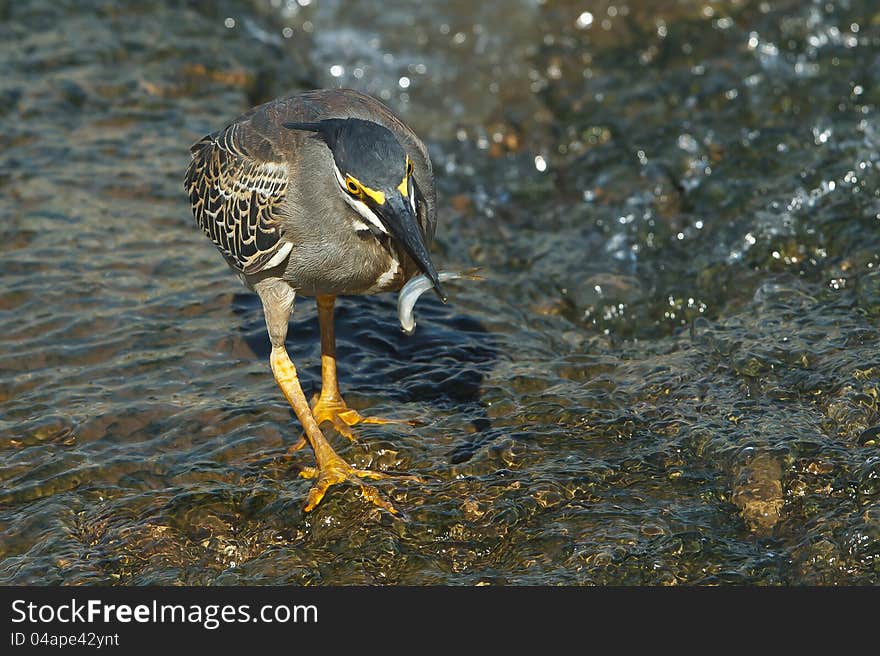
[398, 216]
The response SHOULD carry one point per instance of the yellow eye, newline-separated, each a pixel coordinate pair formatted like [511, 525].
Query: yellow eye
[409, 168]
[352, 186]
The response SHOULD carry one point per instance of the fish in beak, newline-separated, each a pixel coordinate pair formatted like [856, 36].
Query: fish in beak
[398, 216]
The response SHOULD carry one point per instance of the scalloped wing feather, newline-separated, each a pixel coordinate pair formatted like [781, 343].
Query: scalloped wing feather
[234, 200]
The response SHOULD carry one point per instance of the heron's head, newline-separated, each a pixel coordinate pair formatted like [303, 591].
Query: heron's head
[374, 175]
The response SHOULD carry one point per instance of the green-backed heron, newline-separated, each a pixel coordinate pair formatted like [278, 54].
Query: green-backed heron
[322, 193]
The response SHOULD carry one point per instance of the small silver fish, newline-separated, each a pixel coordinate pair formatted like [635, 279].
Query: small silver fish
[418, 285]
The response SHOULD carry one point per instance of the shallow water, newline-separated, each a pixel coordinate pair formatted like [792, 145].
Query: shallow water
[669, 375]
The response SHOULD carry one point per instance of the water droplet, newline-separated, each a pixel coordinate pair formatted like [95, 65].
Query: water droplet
[821, 136]
[687, 143]
[584, 20]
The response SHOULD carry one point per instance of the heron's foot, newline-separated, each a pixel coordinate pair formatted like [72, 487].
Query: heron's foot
[300, 443]
[336, 470]
[337, 412]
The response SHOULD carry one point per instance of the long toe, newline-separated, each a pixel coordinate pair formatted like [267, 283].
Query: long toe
[344, 418]
[339, 471]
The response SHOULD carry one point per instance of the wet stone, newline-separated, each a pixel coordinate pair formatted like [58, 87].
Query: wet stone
[757, 491]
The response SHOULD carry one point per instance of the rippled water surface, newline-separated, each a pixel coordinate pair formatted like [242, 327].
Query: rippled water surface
[670, 374]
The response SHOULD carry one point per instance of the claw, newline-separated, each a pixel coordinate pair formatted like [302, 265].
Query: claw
[296, 447]
[338, 471]
[344, 418]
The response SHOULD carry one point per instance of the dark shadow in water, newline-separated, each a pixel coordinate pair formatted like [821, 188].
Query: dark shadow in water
[443, 363]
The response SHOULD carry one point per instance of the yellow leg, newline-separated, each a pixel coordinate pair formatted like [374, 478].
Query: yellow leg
[329, 405]
[331, 469]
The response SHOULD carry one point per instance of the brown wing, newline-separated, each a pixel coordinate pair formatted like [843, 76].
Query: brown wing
[235, 197]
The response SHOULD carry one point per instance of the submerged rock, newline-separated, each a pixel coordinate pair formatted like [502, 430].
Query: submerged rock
[757, 491]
